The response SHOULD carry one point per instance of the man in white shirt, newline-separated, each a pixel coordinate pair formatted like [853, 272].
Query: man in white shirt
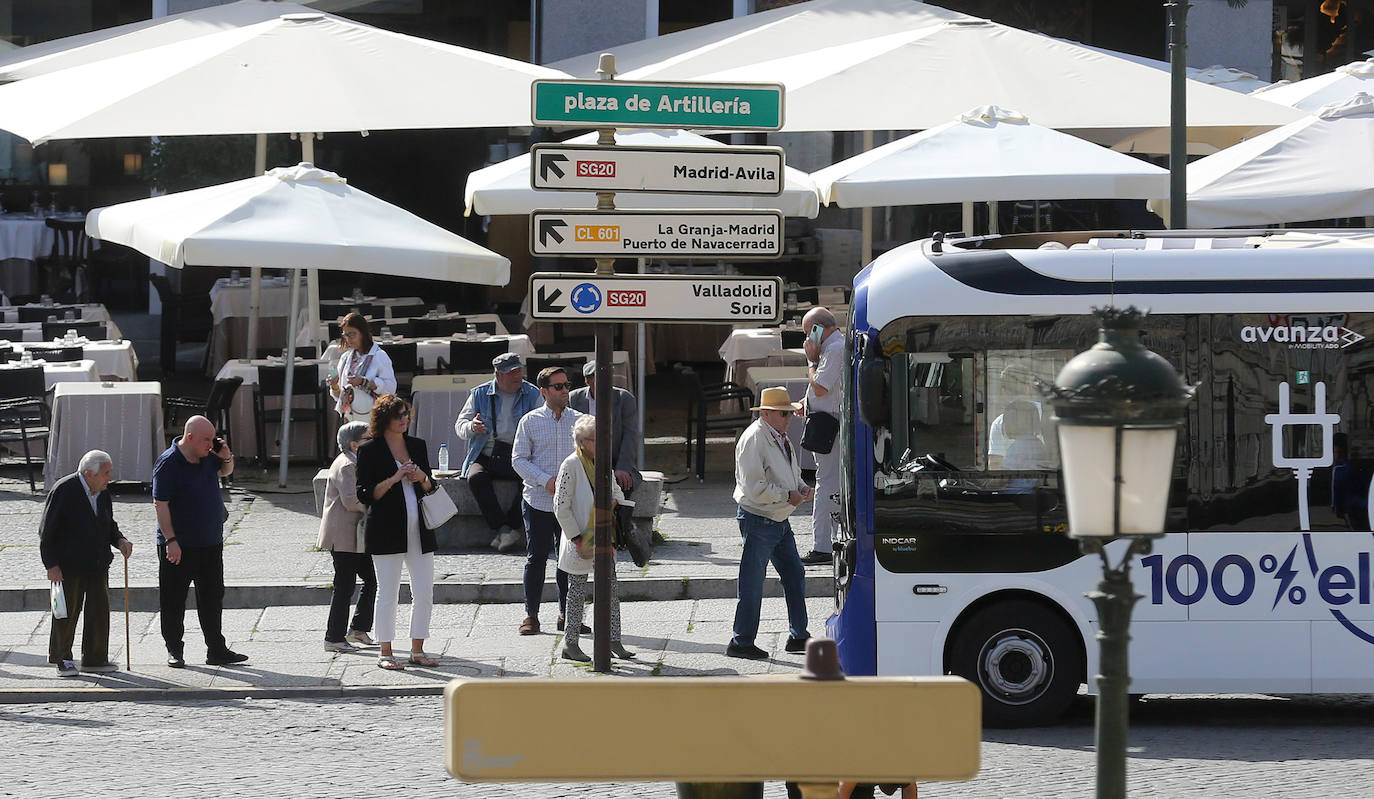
[825, 355]
[543, 438]
[768, 487]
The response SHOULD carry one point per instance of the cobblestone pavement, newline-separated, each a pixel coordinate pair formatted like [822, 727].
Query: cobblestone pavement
[1315, 747]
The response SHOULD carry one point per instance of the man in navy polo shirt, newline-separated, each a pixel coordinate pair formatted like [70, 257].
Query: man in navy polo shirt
[190, 538]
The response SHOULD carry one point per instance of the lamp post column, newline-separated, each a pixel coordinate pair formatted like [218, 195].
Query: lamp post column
[1114, 600]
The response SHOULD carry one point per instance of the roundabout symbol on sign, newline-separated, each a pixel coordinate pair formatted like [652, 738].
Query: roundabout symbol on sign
[585, 298]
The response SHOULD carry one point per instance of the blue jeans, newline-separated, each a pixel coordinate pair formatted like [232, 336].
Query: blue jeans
[541, 542]
[765, 540]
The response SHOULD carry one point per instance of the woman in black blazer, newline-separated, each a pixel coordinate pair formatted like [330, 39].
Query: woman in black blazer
[393, 473]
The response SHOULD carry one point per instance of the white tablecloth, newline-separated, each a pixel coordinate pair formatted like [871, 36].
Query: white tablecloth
[24, 238]
[748, 347]
[430, 350]
[90, 312]
[33, 331]
[83, 371]
[437, 400]
[114, 360]
[241, 414]
[123, 419]
[795, 379]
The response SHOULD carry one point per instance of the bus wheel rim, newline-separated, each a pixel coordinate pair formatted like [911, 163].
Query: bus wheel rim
[1016, 666]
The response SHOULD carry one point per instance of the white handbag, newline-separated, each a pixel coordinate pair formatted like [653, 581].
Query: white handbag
[437, 507]
[58, 598]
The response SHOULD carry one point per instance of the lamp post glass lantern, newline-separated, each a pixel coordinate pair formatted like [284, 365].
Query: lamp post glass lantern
[1118, 407]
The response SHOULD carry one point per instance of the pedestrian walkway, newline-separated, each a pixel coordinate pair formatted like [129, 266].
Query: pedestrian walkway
[677, 610]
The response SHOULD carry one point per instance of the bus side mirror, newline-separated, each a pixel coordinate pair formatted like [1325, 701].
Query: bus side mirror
[874, 401]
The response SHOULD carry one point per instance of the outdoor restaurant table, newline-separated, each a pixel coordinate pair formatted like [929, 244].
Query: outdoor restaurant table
[114, 360]
[24, 238]
[123, 419]
[755, 346]
[241, 413]
[436, 401]
[90, 312]
[430, 350]
[83, 371]
[795, 379]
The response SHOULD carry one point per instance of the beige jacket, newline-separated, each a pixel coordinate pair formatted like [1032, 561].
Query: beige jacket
[764, 474]
[342, 510]
[573, 500]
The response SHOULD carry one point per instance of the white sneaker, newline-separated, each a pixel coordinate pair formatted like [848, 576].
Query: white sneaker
[341, 646]
[511, 541]
[67, 668]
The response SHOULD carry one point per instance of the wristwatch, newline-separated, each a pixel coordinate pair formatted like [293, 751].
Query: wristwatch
[166, 540]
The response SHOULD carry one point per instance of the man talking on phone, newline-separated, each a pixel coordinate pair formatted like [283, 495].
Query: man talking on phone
[190, 538]
[824, 349]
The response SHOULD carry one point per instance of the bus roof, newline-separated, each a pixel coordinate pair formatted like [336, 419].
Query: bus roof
[1215, 271]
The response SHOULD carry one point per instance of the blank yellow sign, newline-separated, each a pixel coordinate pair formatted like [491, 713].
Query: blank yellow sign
[712, 729]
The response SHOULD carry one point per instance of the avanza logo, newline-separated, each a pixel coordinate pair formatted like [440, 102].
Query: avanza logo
[627, 299]
[1324, 332]
[596, 169]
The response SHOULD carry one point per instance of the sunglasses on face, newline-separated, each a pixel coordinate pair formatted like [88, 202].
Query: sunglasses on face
[784, 414]
[559, 386]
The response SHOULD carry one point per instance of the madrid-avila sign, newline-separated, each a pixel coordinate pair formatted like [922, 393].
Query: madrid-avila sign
[654, 298]
[611, 104]
[676, 170]
[684, 234]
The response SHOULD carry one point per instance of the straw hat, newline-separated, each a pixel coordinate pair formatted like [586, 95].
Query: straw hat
[776, 399]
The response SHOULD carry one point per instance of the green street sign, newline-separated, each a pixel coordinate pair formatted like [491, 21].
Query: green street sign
[613, 104]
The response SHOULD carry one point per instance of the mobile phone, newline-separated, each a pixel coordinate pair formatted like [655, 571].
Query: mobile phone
[816, 332]
[218, 443]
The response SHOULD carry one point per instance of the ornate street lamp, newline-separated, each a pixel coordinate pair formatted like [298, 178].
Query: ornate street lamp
[1118, 407]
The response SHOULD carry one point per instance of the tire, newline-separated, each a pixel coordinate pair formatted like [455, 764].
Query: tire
[1025, 660]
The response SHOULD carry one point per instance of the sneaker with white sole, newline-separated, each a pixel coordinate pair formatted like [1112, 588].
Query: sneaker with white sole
[339, 646]
[511, 541]
[359, 638]
[67, 668]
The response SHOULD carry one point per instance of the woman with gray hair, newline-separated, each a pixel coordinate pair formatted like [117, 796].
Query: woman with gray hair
[573, 506]
[340, 533]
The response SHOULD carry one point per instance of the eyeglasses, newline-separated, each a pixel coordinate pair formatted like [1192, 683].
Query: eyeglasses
[559, 386]
[784, 414]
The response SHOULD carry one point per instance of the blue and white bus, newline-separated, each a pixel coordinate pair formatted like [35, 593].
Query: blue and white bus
[951, 555]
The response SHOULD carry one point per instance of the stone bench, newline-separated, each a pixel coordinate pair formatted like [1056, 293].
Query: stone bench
[468, 530]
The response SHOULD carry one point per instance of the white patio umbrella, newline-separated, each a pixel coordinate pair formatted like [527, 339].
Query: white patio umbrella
[987, 154]
[1320, 167]
[504, 188]
[257, 66]
[1313, 93]
[296, 218]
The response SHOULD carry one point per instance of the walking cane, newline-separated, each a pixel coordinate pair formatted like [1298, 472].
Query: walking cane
[128, 656]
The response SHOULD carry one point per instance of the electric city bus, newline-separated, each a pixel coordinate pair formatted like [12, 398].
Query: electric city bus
[951, 554]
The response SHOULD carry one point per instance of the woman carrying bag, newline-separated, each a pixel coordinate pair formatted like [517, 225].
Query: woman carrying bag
[340, 525]
[363, 372]
[393, 475]
[574, 507]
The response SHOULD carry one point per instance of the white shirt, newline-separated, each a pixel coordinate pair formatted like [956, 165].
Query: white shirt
[829, 375]
[90, 496]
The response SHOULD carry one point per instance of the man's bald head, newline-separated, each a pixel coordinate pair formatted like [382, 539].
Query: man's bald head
[198, 438]
[200, 426]
[820, 315]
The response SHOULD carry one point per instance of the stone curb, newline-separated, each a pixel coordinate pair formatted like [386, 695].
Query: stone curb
[44, 695]
[653, 589]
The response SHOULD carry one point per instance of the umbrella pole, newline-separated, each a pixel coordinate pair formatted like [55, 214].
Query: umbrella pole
[284, 450]
[866, 248]
[255, 273]
[312, 278]
[968, 217]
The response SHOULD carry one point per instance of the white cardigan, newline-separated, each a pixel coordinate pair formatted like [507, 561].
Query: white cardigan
[379, 371]
[572, 506]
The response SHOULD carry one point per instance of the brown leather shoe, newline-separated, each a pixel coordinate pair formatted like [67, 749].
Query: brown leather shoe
[530, 626]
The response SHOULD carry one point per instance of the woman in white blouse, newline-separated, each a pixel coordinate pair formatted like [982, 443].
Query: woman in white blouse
[573, 506]
[363, 372]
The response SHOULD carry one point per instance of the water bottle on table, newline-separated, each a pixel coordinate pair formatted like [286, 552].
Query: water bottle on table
[443, 457]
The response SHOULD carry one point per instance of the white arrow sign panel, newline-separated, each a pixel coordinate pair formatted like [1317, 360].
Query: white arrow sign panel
[677, 170]
[655, 298]
[721, 234]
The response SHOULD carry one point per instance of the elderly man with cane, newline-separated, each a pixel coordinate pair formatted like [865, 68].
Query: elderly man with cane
[75, 537]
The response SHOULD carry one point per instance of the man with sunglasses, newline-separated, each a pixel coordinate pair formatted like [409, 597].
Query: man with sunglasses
[543, 438]
[768, 487]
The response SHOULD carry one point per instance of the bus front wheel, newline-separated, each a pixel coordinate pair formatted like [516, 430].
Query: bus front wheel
[1025, 660]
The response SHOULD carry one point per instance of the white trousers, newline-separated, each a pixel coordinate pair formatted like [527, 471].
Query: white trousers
[420, 566]
[827, 484]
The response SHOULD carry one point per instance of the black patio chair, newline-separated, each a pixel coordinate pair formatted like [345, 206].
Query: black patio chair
[472, 356]
[704, 401]
[24, 412]
[272, 384]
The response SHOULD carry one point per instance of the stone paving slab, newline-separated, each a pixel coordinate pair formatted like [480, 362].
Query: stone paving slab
[284, 644]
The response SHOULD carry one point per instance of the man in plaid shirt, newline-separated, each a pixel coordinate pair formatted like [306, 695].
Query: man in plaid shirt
[542, 440]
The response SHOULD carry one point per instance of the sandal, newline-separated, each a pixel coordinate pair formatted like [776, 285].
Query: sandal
[421, 659]
[389, 663]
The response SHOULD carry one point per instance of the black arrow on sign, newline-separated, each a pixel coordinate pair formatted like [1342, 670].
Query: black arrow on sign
[548, 162]
[545, 302]
[549, 227]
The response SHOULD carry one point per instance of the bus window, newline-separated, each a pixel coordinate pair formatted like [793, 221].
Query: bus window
[1020, 426]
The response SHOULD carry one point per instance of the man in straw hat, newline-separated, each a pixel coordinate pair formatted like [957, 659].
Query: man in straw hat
[768, 487]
